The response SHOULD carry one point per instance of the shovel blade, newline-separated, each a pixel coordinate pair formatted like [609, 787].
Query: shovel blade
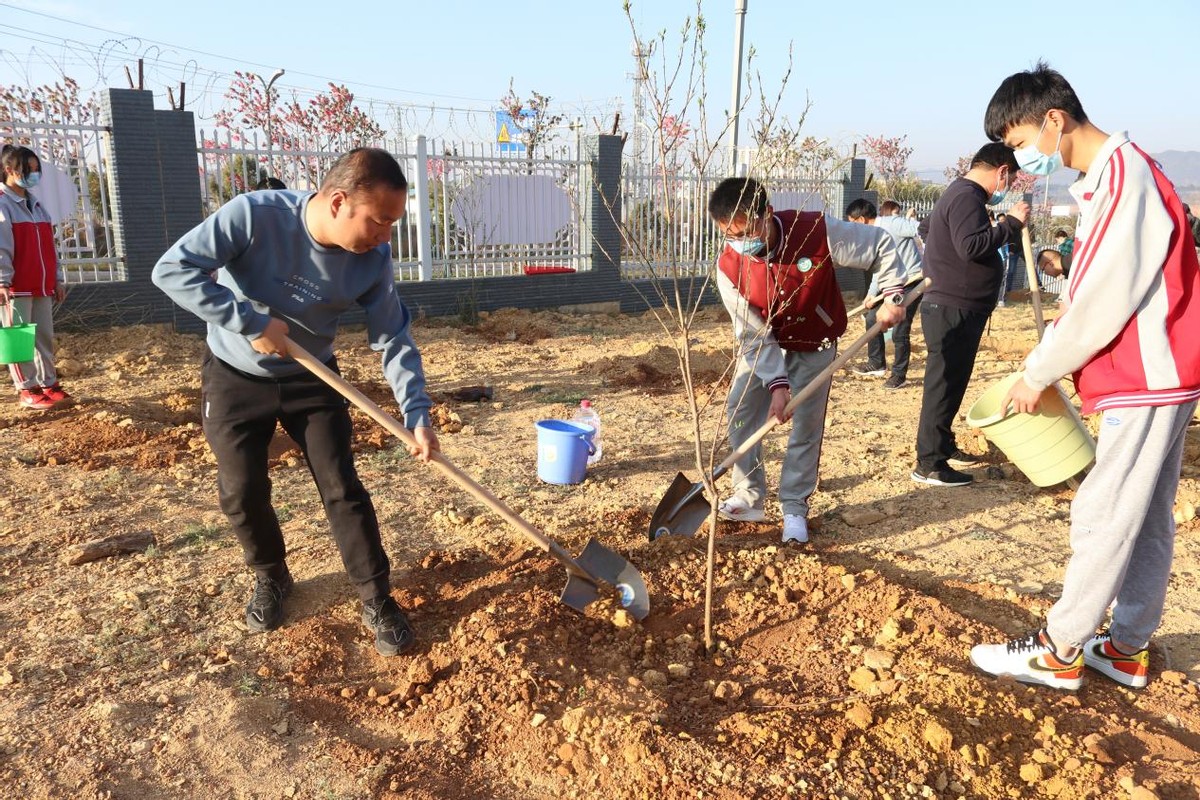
[682, 510]
[579, 593]
[603, 563]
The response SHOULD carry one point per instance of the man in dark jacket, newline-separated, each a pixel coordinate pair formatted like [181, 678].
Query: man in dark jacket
[963, 262]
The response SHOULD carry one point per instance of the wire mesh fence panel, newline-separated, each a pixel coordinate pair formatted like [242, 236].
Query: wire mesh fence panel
[666, 228]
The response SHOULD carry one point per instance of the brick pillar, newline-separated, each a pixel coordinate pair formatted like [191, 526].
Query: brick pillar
[155, 195]
[602, 203]
[179, 172]
[853, 188]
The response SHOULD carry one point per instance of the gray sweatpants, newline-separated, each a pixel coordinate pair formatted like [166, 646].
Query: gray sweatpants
[748, 405]
[1123, 529]
[40, 371]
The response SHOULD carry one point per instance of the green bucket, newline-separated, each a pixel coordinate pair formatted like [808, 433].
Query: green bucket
[1050, 446]
[16, 343]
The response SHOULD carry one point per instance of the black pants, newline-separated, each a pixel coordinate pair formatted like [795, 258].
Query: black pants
[901, 341]
[239, 413]
[951, 342]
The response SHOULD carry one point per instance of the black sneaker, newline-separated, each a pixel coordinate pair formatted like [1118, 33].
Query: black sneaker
[942, 477]
[870, 370]
[393, 633]
[895, 382]
[264, 612]
[960, 460]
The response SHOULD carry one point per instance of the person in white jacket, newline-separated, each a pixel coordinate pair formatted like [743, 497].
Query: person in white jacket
[1128, 334]
[776, 279]
[904, 232]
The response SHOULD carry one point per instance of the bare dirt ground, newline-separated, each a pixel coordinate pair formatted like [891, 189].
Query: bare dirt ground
[843, 666]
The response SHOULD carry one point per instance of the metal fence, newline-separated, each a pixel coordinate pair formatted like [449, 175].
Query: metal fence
[472, 212]
[232, 163]
[504, 214]
[665, 226]
[75, 190]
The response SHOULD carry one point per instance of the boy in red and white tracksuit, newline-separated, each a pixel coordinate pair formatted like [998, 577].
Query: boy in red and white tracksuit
[1129, 335]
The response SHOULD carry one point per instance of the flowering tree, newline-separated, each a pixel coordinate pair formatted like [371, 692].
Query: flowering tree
[57, 104]
[957, 169]
[674, 130]
[531, 118]
[888, 156]
[1023, 183]
[328, 124]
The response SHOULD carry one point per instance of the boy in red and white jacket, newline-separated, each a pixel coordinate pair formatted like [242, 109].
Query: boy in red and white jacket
[776, 279]
[1129, 336]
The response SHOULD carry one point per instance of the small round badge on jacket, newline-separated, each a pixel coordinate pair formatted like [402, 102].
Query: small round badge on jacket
[804, 264]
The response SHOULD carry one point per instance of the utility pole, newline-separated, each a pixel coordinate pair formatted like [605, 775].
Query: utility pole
[640, 52]
[739, 34]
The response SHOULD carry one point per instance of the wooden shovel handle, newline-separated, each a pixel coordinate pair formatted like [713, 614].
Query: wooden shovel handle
[1035, 292]
[815, 384]
[447, 467]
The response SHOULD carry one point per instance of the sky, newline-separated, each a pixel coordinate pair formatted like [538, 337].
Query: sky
[924, 70]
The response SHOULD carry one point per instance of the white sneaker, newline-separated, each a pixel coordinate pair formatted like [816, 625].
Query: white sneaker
[737, 509]
[1030, 660]
[1128, 670]
[795, 528]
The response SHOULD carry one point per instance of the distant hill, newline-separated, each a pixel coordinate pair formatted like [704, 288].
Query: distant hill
[1181, 166]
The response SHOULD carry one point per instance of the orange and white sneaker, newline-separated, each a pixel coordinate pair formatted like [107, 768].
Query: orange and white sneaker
[1131, 670]
[1030, 660]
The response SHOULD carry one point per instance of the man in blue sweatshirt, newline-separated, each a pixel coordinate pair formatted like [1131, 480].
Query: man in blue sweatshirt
[289, 264]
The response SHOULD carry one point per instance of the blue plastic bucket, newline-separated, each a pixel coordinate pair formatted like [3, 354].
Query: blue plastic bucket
[563, 450]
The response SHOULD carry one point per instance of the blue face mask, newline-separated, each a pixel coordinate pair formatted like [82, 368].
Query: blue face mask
[29, 181]
[747, 247]
[998, 196]
[1034, 161]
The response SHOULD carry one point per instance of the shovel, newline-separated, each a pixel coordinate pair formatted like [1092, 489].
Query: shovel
[596, 565]
[873, 301]
[684, 507]
[1035, 295]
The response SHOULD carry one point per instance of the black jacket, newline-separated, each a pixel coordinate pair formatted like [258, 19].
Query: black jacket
[962, 249]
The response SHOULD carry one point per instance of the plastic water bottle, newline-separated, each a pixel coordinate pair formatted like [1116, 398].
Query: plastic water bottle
[586, 415]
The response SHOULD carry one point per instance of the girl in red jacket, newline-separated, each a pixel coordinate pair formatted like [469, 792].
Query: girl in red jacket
[30, 277]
